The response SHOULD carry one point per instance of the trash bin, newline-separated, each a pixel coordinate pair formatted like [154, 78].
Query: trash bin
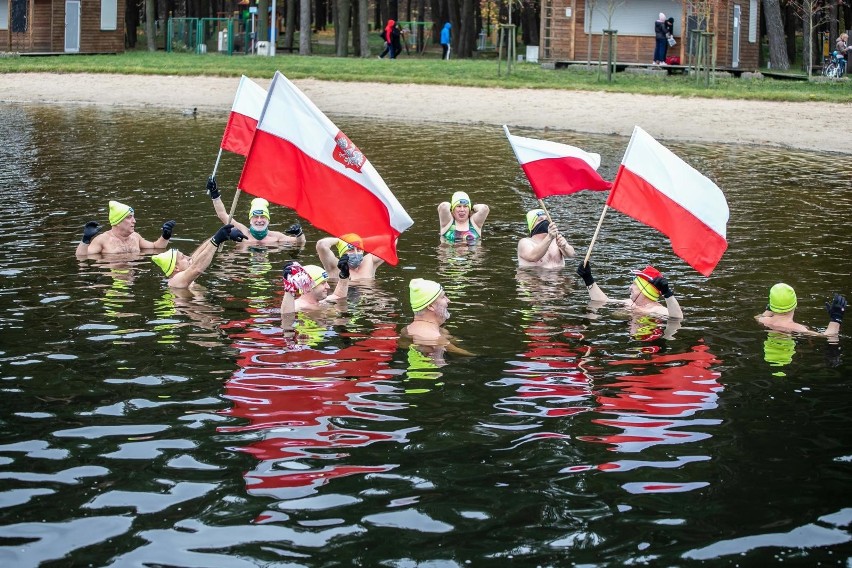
[532, 53]
[263, 48]
[223, 40]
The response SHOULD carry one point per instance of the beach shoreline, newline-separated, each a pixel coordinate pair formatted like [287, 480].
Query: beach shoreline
[801, 126]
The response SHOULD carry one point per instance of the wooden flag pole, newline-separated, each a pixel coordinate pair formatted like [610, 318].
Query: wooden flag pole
[231, 214]
[595, 236]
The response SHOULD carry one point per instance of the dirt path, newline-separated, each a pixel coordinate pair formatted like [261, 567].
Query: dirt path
[806, 126]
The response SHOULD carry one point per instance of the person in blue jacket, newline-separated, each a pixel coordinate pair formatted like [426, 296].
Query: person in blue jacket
[445, 40]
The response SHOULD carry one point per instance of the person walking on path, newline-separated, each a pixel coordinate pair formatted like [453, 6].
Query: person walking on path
[387, 35]
[445, 41]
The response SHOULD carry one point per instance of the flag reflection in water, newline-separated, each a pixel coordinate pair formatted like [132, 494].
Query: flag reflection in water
[311, 398]
[548, 378]
[651, 406]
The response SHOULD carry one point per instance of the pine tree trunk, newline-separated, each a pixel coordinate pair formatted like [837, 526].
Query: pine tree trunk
[363, 26]
[778, 58]
[290, 30]
[341, 30]
[150, 20]
[305, 27]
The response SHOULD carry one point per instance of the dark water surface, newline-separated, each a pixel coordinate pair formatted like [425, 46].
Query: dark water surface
[144, 427]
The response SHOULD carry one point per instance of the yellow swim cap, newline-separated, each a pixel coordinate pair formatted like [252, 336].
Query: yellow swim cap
[167, 261]
[533, 218]
[782, 298]
[317, 274]
[423, 292]
[347, 241]
[643, 282]
[460, 198]
[259, 206]
[118, 212]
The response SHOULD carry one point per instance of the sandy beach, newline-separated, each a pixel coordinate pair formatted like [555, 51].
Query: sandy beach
[805, 126]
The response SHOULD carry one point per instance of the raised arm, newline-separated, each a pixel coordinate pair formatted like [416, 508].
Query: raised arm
[595, 293]
[445, 217]
[479, 214]
[219, 206]
[163, 241]
[532, 251]
[86, 246]
[203, 256]
[836, 308]
[326, 256]
[672, 305]
[341, 291]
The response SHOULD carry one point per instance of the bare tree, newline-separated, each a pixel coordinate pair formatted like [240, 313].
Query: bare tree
[290, 30]
[591, 5]
[305, 27]
[813, 13]
[778, 58]
[611, 7]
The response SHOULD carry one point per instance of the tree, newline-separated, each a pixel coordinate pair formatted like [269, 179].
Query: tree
[813, 13]
[363, 16]
[778, 58]
[290, 30]
[341, 28]
[150, 24]
[305, 27]
[591, 5]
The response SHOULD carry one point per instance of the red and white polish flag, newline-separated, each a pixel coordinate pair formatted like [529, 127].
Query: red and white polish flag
[300, 159]
[659, 189]
[245, 112]
[557, 169]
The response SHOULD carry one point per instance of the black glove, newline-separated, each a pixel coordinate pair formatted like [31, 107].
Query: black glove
[168, 226]
[212, 188]
[343, 266]
[295, 230]
[222, 235]
[662, 284]
[237, 235]
[836, 308]
[90, 229]
[584, 270]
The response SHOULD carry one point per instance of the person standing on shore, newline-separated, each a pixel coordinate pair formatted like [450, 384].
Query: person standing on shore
[660, 40]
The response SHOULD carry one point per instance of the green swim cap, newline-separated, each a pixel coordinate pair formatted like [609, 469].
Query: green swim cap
[782, 298]
[167, 261]
[533, 218]
[423, 292]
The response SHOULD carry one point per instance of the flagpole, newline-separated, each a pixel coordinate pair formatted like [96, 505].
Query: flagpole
[216, 165]
[231, 214]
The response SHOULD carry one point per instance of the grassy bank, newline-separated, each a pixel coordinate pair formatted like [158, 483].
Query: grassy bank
[477, 73]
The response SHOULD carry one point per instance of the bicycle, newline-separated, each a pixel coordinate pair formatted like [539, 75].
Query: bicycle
[835, 66]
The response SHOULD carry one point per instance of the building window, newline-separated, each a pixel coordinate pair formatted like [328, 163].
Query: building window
[109, 15]
[4, 14]
[752, 21]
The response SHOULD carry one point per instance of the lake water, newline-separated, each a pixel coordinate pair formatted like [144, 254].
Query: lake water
[144, 427]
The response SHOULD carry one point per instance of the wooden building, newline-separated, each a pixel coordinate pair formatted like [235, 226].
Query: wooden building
[567, 26]
[62, 26]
